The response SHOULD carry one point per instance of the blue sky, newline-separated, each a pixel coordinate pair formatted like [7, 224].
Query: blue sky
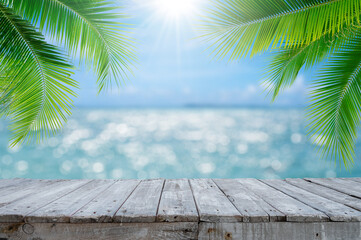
[174, 69]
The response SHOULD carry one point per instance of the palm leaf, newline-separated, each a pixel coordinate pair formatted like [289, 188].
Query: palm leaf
[336, 102]
[286, 64]
[86, 27]
[239, 27]
[37, 85]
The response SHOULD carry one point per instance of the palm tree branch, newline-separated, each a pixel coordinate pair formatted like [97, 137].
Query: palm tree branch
[87, 27]
[86, 21]
[286, 63]
[335, 111]
[279, 15]
[35, 94]
[274, 23]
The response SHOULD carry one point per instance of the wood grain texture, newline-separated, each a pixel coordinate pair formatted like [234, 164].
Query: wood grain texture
[22, 190]
[5, 183]
[336, 211]
[177, 202]
[355, 179]
[294, 210]
[142, 204]
[172, 209]
[40, 197]
[280, 231]
[251, 207]
[350, 188]
[61, 209]
[212, 204]
[326, 192]
[103, 207]
[99, 231]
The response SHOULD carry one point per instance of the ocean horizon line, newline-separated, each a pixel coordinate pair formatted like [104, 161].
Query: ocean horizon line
[190, 106]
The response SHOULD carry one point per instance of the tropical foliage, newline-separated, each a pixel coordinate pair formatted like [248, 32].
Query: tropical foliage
[36, 87]
[301, 34]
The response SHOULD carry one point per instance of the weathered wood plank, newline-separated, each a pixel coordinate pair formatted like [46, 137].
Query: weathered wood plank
[41, 196]
[326, 192]
[177, 202]
[294, 210]
[103, 231]
[61, 209]
[22, 190]
[353, 189]
[355, 179]
[336, 211]
[251, 207]
[142, 204]
[4, 183]
[212, 204]
[281, 231]
[103, 207]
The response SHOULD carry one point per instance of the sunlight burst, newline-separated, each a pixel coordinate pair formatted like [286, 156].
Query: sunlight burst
[176, 8]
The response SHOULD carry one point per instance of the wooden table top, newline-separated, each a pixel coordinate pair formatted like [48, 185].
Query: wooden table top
[180, 200]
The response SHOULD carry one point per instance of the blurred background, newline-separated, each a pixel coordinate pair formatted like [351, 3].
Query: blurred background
[181, 114]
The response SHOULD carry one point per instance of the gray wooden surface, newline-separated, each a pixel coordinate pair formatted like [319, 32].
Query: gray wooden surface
[281, 231]
[294, 210]
[103, 207]
[181, 209]
[337, 212]
[177, 202]
[212, 204]
[252, 207]
[142, 204]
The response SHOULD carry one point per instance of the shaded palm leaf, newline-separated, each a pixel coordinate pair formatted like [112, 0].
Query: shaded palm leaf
[239, 27]
[286, 63]
[88, 28]
[37, 85]
[336, 102]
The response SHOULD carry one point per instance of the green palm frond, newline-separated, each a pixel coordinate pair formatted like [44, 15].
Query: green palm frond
[335, 111]
[286, 64]
[5, 85]
[37, 85]
[252, 26]
[86, 27]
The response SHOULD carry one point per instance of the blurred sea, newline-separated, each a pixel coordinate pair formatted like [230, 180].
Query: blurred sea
[174, 143]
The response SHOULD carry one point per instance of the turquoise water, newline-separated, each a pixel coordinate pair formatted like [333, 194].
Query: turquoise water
[173, 143]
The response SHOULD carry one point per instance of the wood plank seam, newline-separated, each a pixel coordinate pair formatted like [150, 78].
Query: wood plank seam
[213, 205]
[142, 204]
[265, 200]
[288, 216]
[126, 199]
[351, 179]
[57, 199]
[161, 194]
[253, 207]
[228, 197]
[357, 180]
[195, 202]
[281, 188]
[309, 180]
[326, 210]
[347, 203]
[20, 180]
[94, 197]
[265, 182]
[27, 187]
[177, 202]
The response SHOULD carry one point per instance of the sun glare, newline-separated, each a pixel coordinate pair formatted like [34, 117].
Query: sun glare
[176, 8]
